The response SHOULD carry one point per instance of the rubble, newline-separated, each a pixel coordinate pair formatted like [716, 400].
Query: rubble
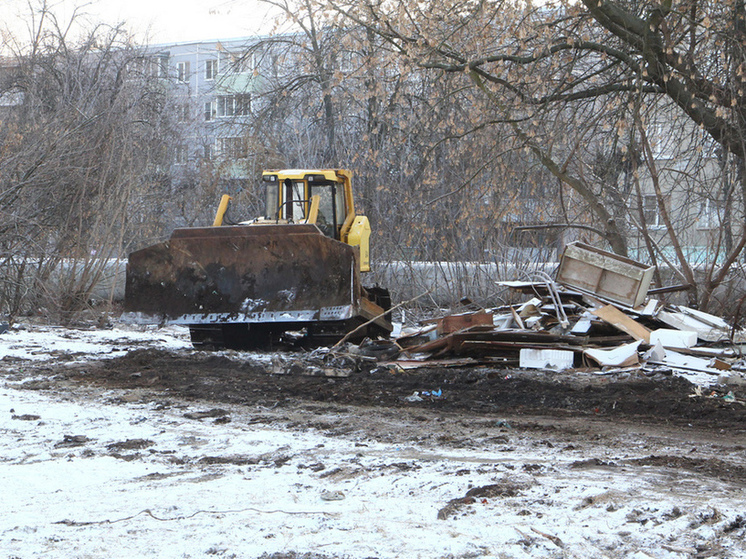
[596, 314]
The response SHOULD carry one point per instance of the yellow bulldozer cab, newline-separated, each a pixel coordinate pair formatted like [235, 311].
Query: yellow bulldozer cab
[322, 198]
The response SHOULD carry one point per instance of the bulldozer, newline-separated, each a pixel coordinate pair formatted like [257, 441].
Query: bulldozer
[291, 275]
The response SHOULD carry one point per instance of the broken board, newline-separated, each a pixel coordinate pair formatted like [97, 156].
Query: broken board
[619, 320]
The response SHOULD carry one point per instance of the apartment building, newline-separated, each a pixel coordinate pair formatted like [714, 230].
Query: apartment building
[212, 92]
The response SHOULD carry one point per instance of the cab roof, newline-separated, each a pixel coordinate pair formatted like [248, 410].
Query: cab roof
[300, 174]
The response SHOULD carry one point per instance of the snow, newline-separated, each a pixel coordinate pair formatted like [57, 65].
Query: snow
[201, 488]
[44, 342]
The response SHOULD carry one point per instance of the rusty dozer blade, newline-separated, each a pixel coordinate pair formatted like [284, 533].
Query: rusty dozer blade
[248, 274]
[238, 286]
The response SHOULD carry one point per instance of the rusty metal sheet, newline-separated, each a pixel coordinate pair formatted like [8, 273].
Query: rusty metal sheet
[257, 273]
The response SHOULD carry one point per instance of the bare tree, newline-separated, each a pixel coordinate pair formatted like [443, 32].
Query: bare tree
[588, 88]
[77, 152]
[430, 173]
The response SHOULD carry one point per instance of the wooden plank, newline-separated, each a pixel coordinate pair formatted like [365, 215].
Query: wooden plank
[457, 322]
[517, 319]
[619, 320]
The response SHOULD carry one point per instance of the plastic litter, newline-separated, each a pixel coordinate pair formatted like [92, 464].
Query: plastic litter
[332, 496]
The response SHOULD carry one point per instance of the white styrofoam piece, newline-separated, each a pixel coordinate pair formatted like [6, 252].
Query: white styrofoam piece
[581, 326]
[706, 318]
[673, 338]
[655, 353]
[650, 308]
[622, 356]
[529, 308]
[546, 358]
[502, 321]
[689, 362]
[708, 327]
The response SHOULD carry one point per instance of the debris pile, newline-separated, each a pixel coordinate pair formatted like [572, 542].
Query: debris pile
[596, 314]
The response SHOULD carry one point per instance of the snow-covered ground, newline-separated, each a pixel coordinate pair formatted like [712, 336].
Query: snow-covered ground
[38, 343]
[97, 473]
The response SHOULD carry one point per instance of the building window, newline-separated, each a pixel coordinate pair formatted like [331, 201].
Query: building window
[184, 112]
[209, 111]
[651, 211]
[233, 105]
[180, 155]
[238, 63]
[150, 66]
[232, 148]
[159, 66]
[209, 153]
[211, 69]
[711, 214]
[243, 105]
[182, 71]
[225, 106]
[657, 138]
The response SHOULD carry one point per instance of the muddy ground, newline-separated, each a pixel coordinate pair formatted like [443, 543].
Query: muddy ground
[644, 396]
[686, 443]
[581, 405]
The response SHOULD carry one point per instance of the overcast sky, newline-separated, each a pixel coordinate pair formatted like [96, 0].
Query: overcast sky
[154, 21]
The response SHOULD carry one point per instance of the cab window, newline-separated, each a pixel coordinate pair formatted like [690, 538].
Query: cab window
[331, 207]
[294, 199]
[273, 197]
